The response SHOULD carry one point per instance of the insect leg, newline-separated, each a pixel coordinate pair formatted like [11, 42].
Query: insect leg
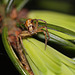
[45, 37]
[46, 31]
[45, 27]
[36, 23]
[22, 44]
[43, 21]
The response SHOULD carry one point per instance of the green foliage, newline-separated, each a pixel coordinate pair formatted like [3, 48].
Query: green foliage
[49, 61]
[61, 28]
[11, 53]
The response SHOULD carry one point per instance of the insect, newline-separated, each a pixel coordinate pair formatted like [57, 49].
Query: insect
[16, 35]
[33, 28]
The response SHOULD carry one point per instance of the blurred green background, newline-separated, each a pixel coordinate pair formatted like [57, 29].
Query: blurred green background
[63, 6]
